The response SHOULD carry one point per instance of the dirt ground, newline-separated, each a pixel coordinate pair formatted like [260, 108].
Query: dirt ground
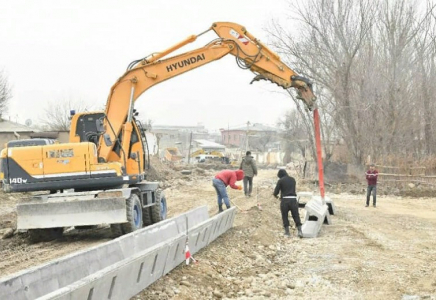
[386, 252]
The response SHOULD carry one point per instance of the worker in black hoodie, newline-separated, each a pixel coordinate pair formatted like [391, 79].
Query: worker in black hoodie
[286, 187]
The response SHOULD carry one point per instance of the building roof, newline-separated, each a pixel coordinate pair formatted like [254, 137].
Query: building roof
[47, 134]
[209, 144]
[253, 127]
[195, 128]
[8, 126]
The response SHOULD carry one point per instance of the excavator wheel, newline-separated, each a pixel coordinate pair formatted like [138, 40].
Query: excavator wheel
[159, 210]
[45, 235]
[134, 214]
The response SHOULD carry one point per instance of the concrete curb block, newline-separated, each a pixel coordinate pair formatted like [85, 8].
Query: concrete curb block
[316, 214]
[303, 195]
[127, 278]
[331, 205]
[330, 208]
[158, 242]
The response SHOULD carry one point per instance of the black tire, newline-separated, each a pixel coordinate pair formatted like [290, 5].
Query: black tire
[146, 216]
[134, 214]
[45, 235]
[116, 230]
[85, 227]
[159, 209]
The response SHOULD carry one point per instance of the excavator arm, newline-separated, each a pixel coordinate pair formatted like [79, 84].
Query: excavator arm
[144, 73]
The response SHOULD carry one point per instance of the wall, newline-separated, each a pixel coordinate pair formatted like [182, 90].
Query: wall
[236, 137]
[267, 158]
[8, 136]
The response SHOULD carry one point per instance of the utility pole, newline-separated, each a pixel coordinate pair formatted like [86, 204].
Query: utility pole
[228, 134]
[246, 138]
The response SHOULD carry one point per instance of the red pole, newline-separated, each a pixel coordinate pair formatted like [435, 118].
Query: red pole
[319, 153]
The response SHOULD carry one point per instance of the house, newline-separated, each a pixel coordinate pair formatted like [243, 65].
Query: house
[248, 135]
[208, 146]
[13, 131]
[180, 136]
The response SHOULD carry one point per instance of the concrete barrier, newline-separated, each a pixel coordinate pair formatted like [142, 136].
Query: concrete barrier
[202, 235]
[316, 215]
[331, 205]
[303, 197]
[122, 267]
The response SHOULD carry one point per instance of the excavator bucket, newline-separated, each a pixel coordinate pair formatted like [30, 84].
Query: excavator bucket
[63, 210]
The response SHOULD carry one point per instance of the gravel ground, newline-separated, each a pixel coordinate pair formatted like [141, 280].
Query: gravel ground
[386, 252]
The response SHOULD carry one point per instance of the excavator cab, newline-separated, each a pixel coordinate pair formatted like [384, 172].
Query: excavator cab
[75, 165]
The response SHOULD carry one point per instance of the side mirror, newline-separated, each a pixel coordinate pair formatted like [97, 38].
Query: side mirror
[107, 139]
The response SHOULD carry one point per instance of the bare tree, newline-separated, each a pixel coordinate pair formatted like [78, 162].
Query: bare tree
[57, 114]
[5, 93]
[375, 65]
[396, 30]
[147, 124]
[295, 134]
[261, 140]
[299, 129]
[425, 75]
[333, 33]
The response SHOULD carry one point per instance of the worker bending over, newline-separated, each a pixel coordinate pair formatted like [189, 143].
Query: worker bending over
[220, 183]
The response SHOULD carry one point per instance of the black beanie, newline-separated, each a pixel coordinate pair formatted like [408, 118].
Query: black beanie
[282, 173]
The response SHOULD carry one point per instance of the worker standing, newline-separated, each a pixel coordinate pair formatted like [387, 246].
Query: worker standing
[371, 177]
[223, 179]
[286, 187]
[248, 165]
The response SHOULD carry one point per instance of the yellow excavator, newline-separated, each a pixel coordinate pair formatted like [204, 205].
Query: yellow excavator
[99, 176]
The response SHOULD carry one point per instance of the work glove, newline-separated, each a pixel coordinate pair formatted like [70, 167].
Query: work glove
[239, 187]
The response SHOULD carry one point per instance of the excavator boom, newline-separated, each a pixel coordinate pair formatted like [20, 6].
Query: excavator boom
[142, 74]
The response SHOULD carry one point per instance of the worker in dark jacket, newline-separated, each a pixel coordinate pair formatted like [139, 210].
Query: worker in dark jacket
[248, 165]
[371, 177]
[286, 187]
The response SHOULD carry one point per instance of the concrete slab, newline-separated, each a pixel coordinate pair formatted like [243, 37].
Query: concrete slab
[331, 205]
[329, 202]
[303, 198]
[40, 280]
[310, 229]
[315, 209]
[328, 218]
[127, 278]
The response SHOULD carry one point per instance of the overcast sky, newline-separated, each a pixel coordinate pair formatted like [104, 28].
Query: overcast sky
[56, 50]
